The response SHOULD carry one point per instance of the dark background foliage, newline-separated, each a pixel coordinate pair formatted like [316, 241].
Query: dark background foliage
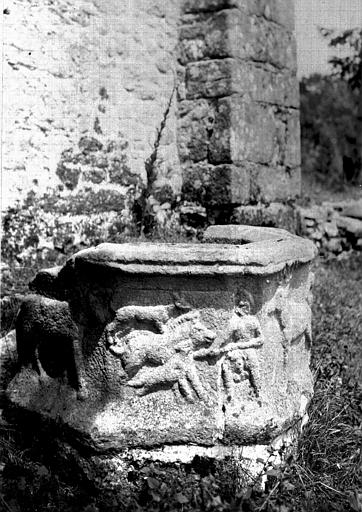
[331, 116]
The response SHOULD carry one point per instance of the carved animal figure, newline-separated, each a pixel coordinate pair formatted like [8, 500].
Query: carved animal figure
[179, 369]
[150, 318]
[48, 340]
[154, 359]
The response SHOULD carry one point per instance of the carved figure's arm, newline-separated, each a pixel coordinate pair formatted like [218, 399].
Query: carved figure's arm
[214, 352]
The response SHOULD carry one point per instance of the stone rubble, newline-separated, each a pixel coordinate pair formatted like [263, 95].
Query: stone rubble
[334, 227]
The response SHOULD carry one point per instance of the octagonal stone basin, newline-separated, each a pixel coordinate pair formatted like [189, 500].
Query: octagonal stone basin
[199, 344]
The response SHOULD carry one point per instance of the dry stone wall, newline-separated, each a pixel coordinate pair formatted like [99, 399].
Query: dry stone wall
[334, 227]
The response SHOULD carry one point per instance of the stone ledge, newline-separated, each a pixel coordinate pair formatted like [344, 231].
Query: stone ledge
[263, 257]
[236, 234]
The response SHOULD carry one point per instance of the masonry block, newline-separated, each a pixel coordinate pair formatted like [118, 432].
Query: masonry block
[242, 131]
[202, 36]
[219, 185]
[273, 183]
[196, 121]
[278, 11]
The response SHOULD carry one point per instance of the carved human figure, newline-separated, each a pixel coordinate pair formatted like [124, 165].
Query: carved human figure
[241, 361]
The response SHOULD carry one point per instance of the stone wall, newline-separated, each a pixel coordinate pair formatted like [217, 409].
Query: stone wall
[86, 86]
[121, 116]
[335, 228]
[90, 94]
[239, 119]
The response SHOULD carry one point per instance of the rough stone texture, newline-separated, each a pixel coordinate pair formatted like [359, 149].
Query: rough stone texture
[172, 344]
[210, 185]
[240, 91]
[8, 362]
[89, 69]
[238, 235]
[47, 340]
[351, 209]
[333, 227]
[109, 86]
[275, 215]
[48, 283]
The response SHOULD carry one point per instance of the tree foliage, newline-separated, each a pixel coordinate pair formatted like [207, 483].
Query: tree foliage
[331, 113]
[329, 129]
[349, 67]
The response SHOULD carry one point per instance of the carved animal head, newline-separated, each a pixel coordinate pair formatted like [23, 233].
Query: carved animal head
[189, 327]
[201, 335]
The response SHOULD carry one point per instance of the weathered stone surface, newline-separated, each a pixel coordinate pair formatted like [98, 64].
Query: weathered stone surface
[203, 36]
[47, 283]
[268, 86]
[249, 37]
[275, 215]
[247, 81]
[237, 121]
[77, 90]
[214, 82]
[236, 234]
[8, 362]
[224, 77]
[217, 185]
[353, 209]
[273, 183]
[212, 79]
[175, 344]
[196, 121]
[350, 225]
[252, 132]
[211, 5]
[279, 11]
[47, 340]
[291, 145]
[330, 228]
[255, 38]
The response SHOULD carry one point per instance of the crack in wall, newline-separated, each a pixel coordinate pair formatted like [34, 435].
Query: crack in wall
[143, 217]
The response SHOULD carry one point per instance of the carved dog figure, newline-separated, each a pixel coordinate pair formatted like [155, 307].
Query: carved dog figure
[156, 359]
[47, 339]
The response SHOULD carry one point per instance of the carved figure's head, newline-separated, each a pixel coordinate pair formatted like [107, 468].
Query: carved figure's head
[244, 303]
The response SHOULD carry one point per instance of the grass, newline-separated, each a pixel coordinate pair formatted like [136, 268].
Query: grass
[316, 191]
[324, 475]
[330, 451]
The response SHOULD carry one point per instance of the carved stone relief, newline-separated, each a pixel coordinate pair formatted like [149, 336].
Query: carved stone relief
[294, 317]
[166, 352]
[229, 365]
